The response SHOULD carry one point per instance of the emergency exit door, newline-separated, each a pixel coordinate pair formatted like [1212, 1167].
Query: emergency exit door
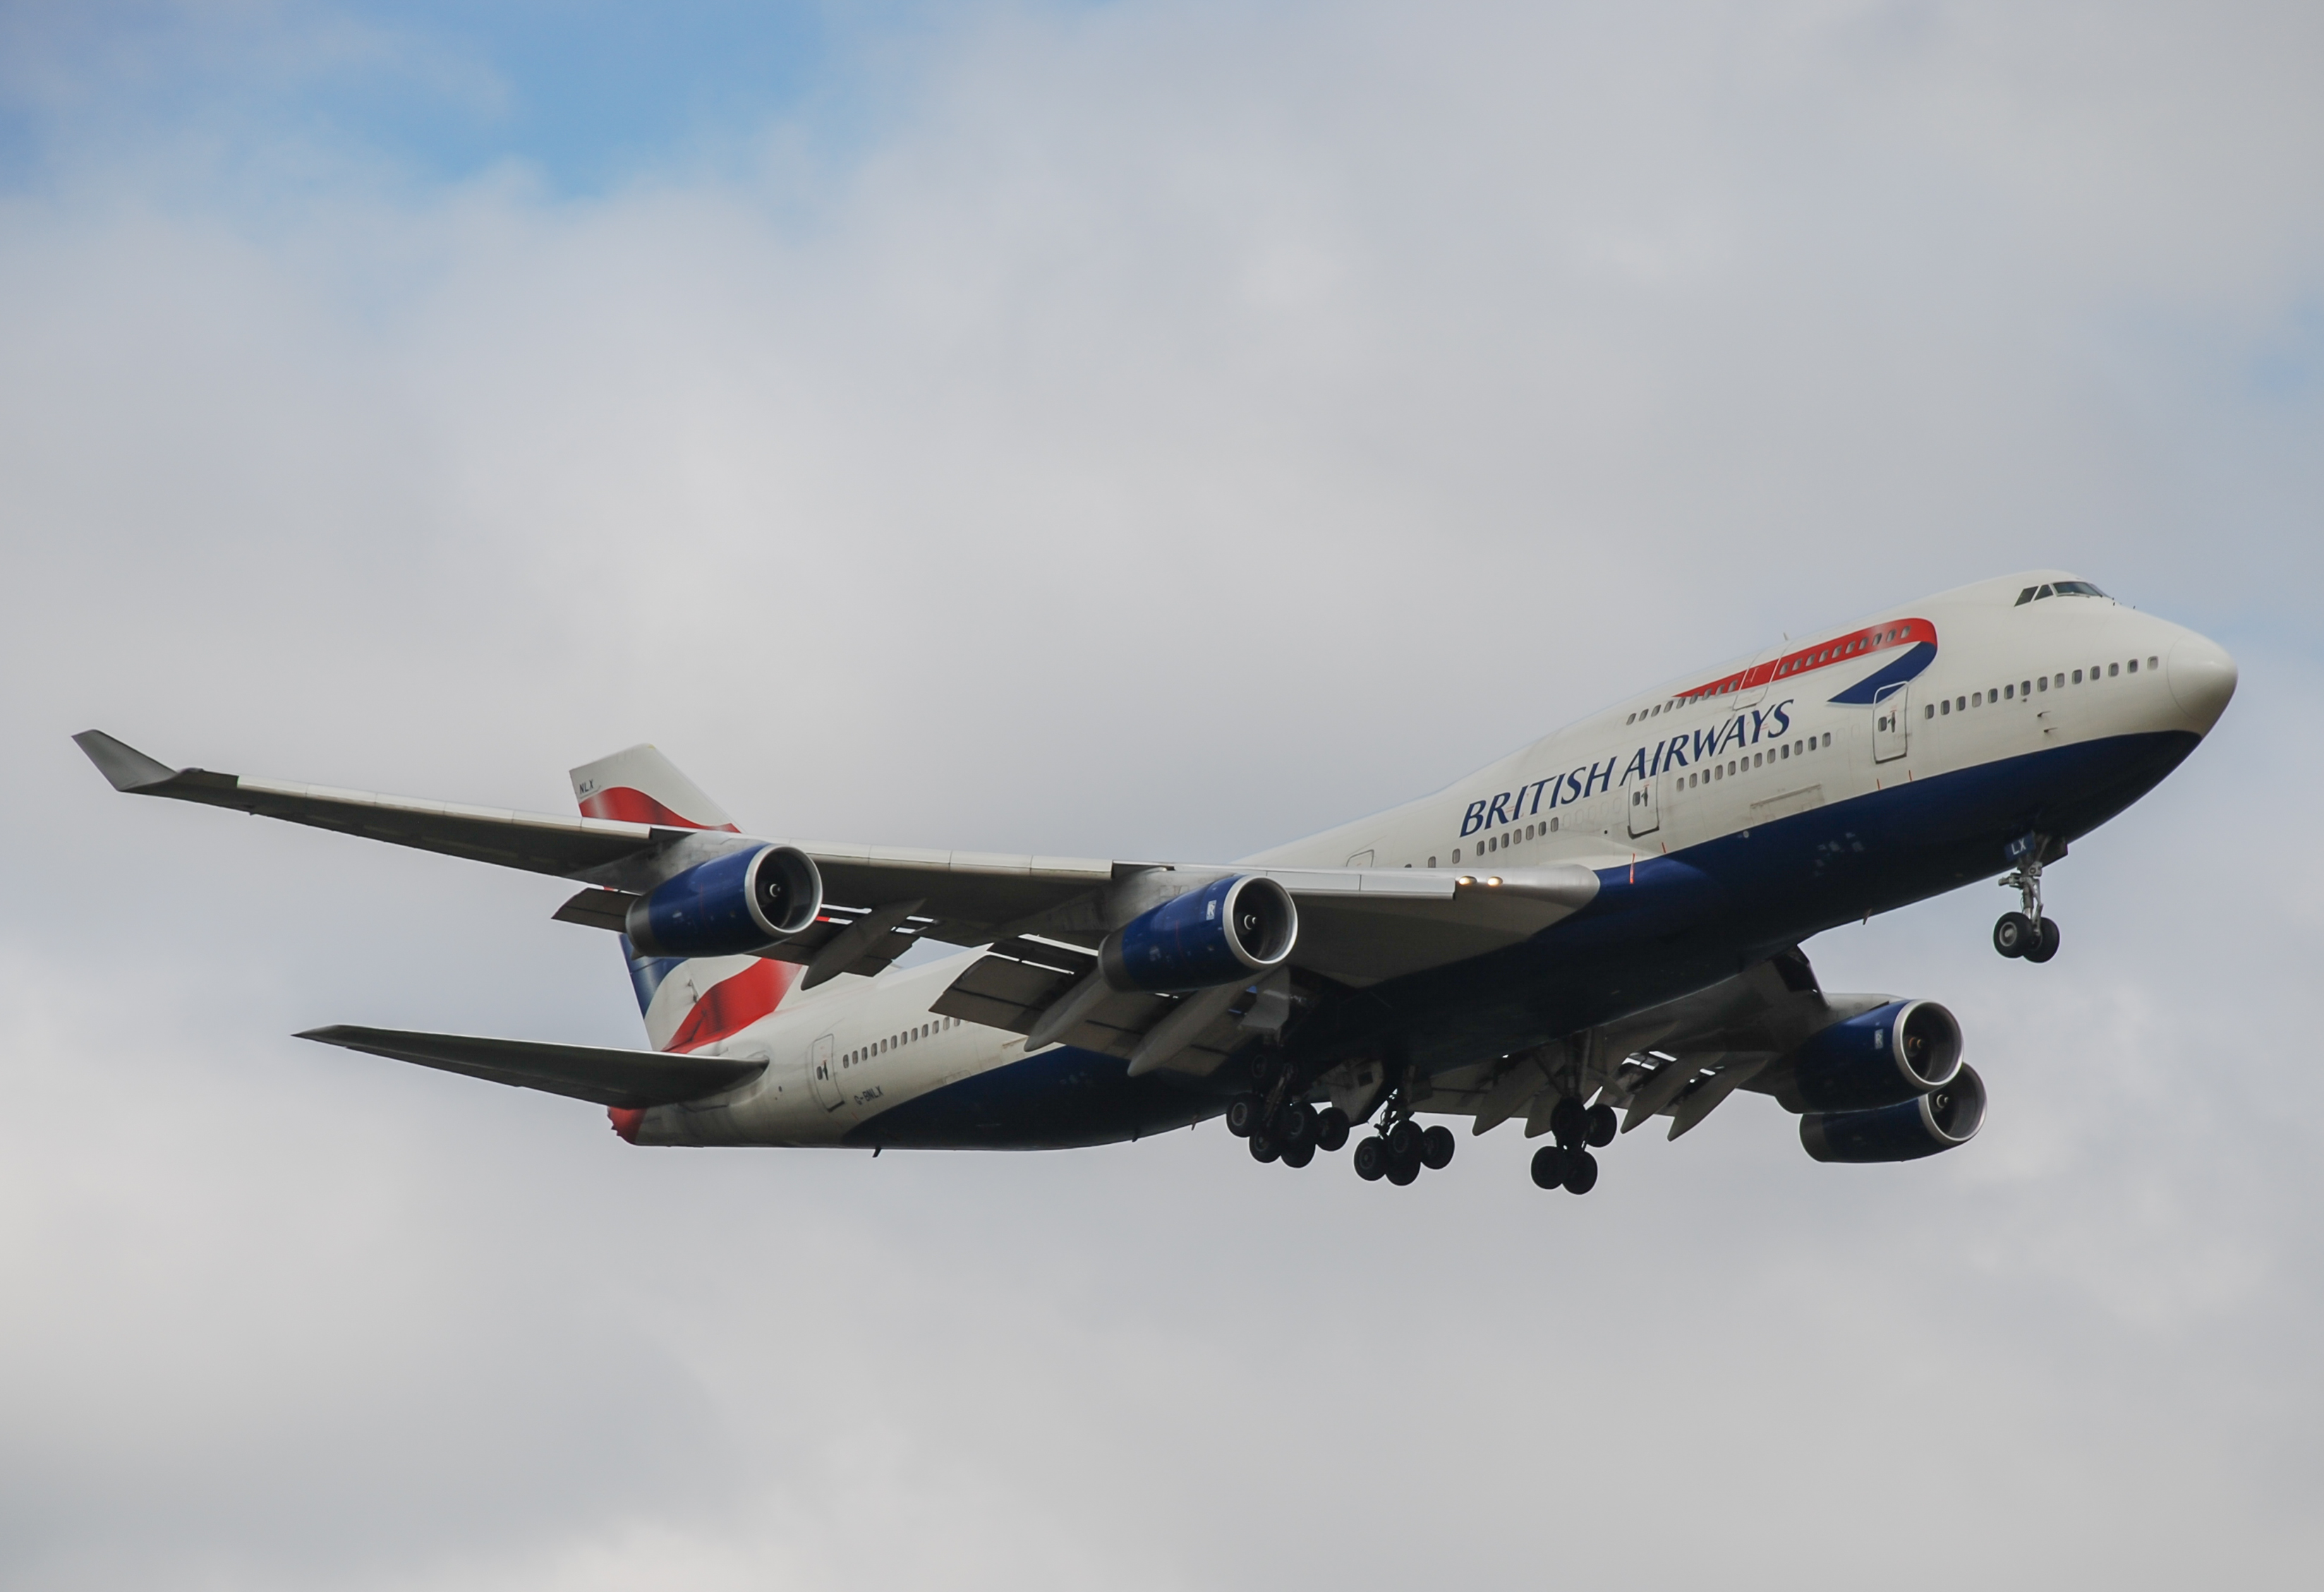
[1891, 707]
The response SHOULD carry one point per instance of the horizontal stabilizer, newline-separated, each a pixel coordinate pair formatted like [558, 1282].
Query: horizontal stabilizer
[630, 1079]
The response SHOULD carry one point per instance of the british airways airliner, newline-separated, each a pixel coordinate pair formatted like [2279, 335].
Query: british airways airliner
[1600, 929]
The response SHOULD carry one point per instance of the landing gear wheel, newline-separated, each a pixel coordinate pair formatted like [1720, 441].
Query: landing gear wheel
[1580, 1172]
[2048, 947]
[1603, 1126]
[2014, 934]
[1568, 1121]
[1243, 1115]
[1402, 1172]
[1299, 1153]
[1331, 1128]
[1404, 1141]
[1549, 1167]
[1436, 1147]
[1371, 1158]
[1264, 1149]
[1297, 1124]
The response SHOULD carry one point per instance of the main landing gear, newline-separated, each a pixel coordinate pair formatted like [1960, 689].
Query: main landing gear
[1283, 1129]
[1567, 1164]
[2026, 932]
[1400, 1154]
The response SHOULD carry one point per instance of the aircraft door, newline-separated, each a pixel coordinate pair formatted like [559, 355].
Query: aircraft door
[823, 1071]
[1645, 813]
[1891, 718]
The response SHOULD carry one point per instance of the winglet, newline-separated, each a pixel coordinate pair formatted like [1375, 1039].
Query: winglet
[125, 767]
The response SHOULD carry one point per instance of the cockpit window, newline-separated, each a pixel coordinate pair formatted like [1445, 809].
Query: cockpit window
[2077, 589]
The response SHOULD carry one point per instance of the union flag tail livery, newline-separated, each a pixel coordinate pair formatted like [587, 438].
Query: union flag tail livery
[1599, 930]
[640, 786]
[687, 1002]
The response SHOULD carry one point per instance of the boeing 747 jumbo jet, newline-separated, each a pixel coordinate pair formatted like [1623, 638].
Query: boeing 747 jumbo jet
[1600, 929]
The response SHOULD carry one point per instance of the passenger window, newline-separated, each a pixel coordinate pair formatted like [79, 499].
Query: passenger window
[1928, 710]
[2078, 677]
[1977, 699]
[1962, 703]
[2133, 666]
[2009, 693]
[1553, 826]
[1456, 857]
[1432, 862]
[2045, 682]
[2112, 670]
[2153, 664]
[1946, 705]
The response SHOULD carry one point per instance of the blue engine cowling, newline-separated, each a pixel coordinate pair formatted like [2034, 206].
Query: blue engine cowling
[1942, 1119]
[1886, 1057]
[729, 905]
[1230, 929]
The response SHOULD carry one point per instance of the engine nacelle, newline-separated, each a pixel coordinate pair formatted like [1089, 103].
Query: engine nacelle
[1942, 1119]
[1886, 1057]
[1230, 929]
[729, 905]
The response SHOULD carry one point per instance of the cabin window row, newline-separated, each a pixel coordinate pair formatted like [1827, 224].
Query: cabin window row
[863, 1053]
[2026, 688]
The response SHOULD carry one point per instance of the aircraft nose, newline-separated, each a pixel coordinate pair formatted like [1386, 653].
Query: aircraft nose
[2202, 678]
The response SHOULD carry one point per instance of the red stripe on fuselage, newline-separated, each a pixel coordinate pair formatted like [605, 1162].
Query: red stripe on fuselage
[733, 1005]
[635, 807]
[1838, 649]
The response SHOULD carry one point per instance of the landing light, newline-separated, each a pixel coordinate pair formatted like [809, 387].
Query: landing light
[1493, 880]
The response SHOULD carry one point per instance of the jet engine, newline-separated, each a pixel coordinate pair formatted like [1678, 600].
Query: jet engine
[728, 906]
[1230, 929]
[1941, 1119]
[1885, 1057]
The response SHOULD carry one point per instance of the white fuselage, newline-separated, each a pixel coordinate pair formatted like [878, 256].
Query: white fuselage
[1668, 771]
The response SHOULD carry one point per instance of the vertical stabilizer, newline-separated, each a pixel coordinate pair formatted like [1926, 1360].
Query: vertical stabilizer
[640, 786]
[688, 1002]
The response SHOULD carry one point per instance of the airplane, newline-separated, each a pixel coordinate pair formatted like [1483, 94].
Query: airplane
[1599, 931]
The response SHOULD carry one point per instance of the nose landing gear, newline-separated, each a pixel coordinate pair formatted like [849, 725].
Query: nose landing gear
[2026, 933]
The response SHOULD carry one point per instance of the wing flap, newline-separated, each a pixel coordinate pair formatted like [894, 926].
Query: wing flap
[629, 1079]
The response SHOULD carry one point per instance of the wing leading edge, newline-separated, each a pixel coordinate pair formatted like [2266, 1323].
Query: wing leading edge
[1358, 926]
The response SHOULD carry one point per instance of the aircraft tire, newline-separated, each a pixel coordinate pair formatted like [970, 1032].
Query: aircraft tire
[2048, 945]
[1568, 1121]
[1299, 1153]
[1549, 1167]
[1436, 1147]
[1332, 1128]
[1242, 1115]
[2014, 934]
[1264, 1149]
[1298, 1125]
[1371, 1158]
[1603, 1126]
[1404, 1141]
[1580, 1172]
[1402, 1172]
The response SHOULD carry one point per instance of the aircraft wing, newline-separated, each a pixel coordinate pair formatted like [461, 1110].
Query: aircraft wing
[1357, 925]
[630, 1079]
[539, 843]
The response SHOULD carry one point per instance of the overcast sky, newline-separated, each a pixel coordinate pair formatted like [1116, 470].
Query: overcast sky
[1141, 429]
